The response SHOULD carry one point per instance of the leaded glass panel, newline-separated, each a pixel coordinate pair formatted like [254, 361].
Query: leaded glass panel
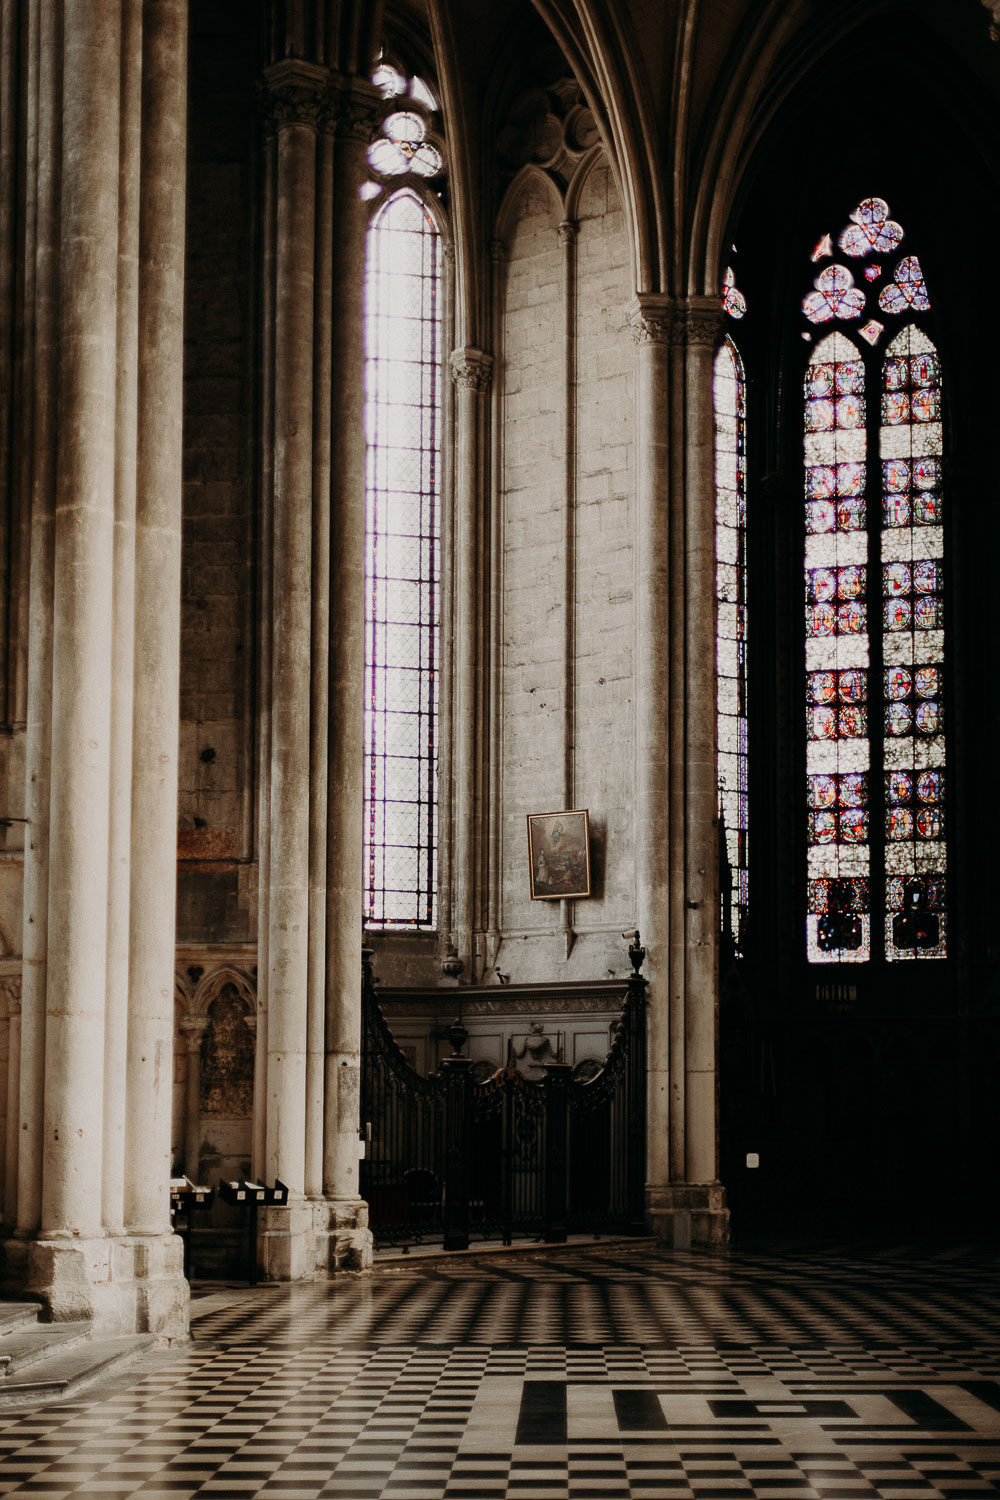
[838, 754]
[876, 675]
[402, 564]
[913, 649]
[731, 577]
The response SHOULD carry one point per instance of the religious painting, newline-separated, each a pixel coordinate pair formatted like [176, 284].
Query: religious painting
[559, 855]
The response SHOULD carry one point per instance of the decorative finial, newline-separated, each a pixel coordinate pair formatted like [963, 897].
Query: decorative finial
[636, 951]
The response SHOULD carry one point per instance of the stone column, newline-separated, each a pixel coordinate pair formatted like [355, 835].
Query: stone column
[193, 1029]
[568, 231]
[651, 317]
[25, 247]
[348, 1241]
[263, 849]
[38, 729]
[472, 373]
[123, 625]
[295, 95]
[319, 707]
[492, 688]
[702, 325]
[9, 71]
[12, 991]
[81, 651]
[678, 858]
[160, 1289]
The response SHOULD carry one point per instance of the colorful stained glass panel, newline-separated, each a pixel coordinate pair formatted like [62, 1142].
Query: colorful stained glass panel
[731, 648]
[837, 656]
[912, 546]
[871, 229]
[730, 590]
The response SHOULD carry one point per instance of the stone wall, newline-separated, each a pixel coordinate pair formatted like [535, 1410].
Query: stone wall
[215, 814]
[532, 500]
[566, 716]
[604, 763]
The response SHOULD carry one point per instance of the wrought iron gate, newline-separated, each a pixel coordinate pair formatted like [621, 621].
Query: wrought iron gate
[446, 1158]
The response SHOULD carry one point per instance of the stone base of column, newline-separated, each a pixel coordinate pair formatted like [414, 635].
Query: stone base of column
[122, 1284]
[687, 1214]
[285, 1249]
[343, 1239]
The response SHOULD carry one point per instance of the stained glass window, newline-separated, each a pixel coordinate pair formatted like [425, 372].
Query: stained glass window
[838, 753]
[874, 603]
[731, 661]
[401, 144]
[402, 562]
[733, 301]
[913, 648]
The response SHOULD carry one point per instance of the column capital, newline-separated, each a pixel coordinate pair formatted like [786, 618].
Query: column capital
[471, 369]
[293, 92]
[10, 994]
[653, 317]
[193, 1029]
[702, 320]
[356, 106]
[568, 231]
[993, 6]
[498, 251]
[683, 322]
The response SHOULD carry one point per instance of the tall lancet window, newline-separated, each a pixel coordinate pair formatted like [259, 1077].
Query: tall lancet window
[403, 389]
[874, 603]
[731, 647]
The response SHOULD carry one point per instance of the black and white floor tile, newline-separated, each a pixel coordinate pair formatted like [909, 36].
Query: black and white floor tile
[557, 1376]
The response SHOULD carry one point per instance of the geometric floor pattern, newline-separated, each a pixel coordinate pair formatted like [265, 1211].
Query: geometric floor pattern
[834, 1371]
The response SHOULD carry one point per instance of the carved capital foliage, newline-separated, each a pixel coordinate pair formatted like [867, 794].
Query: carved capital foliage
[471, 369]
[10, 994]
[681, 322]
[653, 319]
[568, 230]
[194, 1028]
[993, 6]
[702, 321]
[295, 93]
[357, 106]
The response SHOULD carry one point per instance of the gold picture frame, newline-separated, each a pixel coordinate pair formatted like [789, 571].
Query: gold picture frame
[559, 855]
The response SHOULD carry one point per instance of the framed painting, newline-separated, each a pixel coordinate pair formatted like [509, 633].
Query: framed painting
[559, 855]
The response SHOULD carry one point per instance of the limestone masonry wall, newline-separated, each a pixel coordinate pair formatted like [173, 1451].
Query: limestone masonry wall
[567, 725]
[216, 759]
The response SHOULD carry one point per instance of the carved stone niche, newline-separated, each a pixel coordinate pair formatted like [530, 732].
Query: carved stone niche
[227, 1058]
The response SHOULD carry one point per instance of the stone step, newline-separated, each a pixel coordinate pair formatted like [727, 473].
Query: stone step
[27, 1346]
[65, 1373]
[16, 1315]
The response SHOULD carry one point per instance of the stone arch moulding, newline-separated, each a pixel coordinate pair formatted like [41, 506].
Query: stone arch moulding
[525, 177]
[211, 985]
[597, 40]
[428, 198]
[780, 46]
[772, 47]
[595, 157]
[182, 995]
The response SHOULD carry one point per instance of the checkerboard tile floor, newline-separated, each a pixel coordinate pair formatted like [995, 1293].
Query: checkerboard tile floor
[823, 1373]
